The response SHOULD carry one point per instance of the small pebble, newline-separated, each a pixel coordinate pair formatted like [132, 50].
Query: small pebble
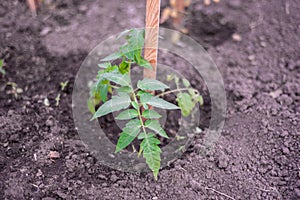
[236, 37]
[53, 155]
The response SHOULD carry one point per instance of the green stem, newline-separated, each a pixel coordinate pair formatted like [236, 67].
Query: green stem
[135, 99]
[172, 91]
[139, 112]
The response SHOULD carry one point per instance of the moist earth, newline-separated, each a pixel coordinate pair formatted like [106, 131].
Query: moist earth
[256, 156]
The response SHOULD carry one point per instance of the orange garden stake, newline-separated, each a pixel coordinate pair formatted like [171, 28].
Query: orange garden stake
[32, 4]
[151, 36]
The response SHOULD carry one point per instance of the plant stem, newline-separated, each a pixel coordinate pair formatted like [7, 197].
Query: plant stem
[172, 91]
[139, 112]
[135, 99]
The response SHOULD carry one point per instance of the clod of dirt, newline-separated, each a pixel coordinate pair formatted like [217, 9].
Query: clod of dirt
[223, 161]
[53, 155]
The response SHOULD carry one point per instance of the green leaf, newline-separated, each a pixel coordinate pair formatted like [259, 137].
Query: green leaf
[124, 140]
[159, 103]
[127, 114]
[130, 131]
[113, 68]
[200, 100]
[91, 106]
[132, 126]
[145, 106]
[151, 84]
[141, 92]
[185, 103]
[155, 126]
[142, 62]
[103, 92]
[115, 104]
[121, 79]
[129, 52]
[151, 152]
[186, 83]
[124, 67]
[135, 42]
[142, 136]
[112, 57]
[145, 96]
[151, 114]
[104, 65]
[125, 89]
[135, 105]
[136, 39]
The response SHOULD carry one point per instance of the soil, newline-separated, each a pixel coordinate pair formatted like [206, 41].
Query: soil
[257, 155]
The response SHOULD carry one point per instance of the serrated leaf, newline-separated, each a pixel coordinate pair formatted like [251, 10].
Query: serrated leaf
[151, 84]
[130, 131]
[124, 140]
[104, 65]
[155, 126]
[135, 43]
[142, 136]
[160, 103]
[151, 152]
[115, 104]
[185, 103]
[135, 105]
[136, 39]
[127, 114]
[125, 89]
[151, 114]
[112, 57]
[186, 83]
[121, 79]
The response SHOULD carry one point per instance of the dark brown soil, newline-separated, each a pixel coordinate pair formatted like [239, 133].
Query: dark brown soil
[257, 155]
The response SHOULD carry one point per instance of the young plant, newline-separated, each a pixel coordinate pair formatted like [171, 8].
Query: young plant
[137, 103]
[63, 86]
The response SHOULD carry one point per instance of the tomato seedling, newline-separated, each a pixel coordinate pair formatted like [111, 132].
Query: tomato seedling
[143, 122]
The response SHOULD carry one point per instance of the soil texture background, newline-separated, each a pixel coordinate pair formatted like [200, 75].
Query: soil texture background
[257, 155]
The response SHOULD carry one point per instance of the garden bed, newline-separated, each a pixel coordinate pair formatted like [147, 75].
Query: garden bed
[256, 156]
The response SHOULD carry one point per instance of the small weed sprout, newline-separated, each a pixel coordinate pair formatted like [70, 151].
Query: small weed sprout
[63, 86]
[15, 90]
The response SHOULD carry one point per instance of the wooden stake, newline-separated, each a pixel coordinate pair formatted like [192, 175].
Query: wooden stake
[32, 6]
[151, 36]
